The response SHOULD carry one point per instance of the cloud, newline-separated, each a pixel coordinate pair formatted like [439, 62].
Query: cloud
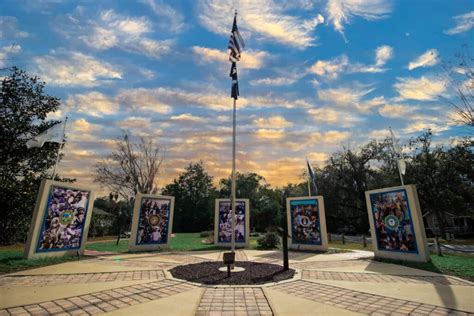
[334, 117]
[7, 52]
[270, 134]
[419, 88]
[135, 122]
[396, 111]
[173, 20]
[273, 122]
[188, 117]
[427, 59]
[80, 130]
[275, 81]
[75, 69]
[331, 69]
[93, 103]
[111, 30]
[340, 12]
[9, 28]
[350, 97]
[263, 19]
[143, 99]
[421, 125]
[383, 54]
[464, 23]
[251, 59]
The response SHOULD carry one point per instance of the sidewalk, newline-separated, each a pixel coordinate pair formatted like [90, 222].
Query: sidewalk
[325, 284]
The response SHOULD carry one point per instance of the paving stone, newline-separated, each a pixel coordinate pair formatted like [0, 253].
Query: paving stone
[353, 300]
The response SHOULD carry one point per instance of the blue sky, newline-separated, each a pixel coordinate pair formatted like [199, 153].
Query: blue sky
[315, 76]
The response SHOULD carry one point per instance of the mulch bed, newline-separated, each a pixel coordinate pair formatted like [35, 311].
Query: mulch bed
[255, 273]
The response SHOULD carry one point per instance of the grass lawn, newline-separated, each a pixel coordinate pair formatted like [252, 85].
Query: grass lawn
[11, 260]
[457, 265]
[349, 246]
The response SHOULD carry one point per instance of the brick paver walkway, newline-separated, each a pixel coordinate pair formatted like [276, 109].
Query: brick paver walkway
[104, 301]
[234, 302]
[361, 302]
[380, 278]
[228, 300]
[57, 279]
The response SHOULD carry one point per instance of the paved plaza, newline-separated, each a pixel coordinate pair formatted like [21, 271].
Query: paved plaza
[325, 284]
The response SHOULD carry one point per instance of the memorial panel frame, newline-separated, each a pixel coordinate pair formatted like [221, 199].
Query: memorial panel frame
[147, 225]
[391, 232]
[59, 218]
[320, 220]
[217, 231]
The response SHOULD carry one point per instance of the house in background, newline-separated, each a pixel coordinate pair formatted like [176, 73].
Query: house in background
[459, 225]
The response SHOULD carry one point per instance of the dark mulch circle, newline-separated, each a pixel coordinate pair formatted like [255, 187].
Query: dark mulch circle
[208, 273]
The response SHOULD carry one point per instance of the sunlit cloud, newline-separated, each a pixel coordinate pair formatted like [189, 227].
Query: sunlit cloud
[341, 12]
[396, 111]
[331, 69]
[112, 30]
[273, 122]
[93, 103]
[263, 19]
[423, 88]
[464, 23]
[251, 59]
[75, 69]
[427, 59]
[188, 117]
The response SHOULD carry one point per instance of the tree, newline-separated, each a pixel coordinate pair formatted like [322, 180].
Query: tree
[23, 110]
[444, 177]
[132, 168]
[460, 80]
[194, 199]
[265, 208]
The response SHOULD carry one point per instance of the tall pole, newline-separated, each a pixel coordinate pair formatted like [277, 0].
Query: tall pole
[232, 197]
[398, 152]
[59, 149]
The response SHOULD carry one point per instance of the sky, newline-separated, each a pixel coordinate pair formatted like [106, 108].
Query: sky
[314, 76]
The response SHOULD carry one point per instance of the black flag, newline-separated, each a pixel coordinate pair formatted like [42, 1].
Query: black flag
[235, 83]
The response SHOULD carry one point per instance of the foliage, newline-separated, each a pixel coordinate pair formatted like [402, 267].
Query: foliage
[269, 240]
[194, 199]
[444, 177]
[24, 107]
[344, 180]
[460, 83]
[265, 204]
[132, 167]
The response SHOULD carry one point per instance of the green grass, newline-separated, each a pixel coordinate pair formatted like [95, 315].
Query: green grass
[349, 246]
[457, 265]
[11, 260]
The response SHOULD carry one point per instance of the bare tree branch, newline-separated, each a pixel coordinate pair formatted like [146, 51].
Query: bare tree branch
[132, 168]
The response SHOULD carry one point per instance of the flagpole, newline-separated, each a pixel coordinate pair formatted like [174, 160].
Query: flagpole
[59, 149]
[232, 198]
[398, 163]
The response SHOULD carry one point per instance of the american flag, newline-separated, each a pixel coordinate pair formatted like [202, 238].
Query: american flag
[236, 44]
